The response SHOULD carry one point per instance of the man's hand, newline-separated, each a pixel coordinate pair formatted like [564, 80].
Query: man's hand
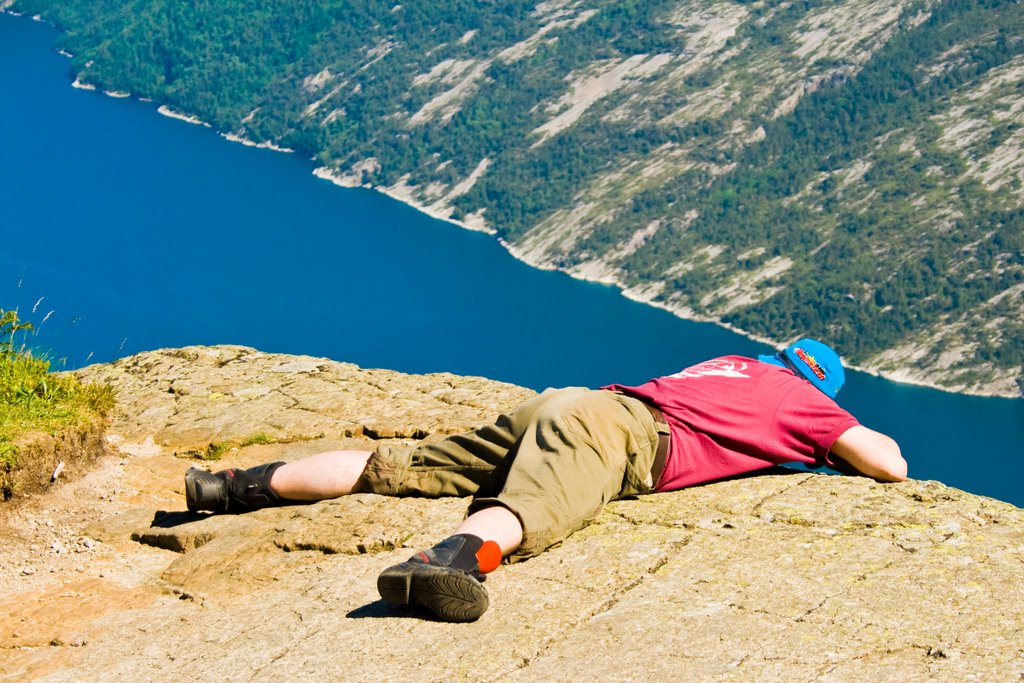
[869, 453]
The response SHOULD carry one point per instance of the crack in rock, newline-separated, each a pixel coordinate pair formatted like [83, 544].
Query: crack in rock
[374, 547]
[758, 610]
[568, 584]
[624, 516]
[378, 433]
[865, 655]
[174, 542]
[604, 607]
[620, 593]
[294, 401]
[757, 506]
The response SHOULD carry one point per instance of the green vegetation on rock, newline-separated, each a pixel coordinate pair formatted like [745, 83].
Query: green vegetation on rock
[35, 400]
[852, 170]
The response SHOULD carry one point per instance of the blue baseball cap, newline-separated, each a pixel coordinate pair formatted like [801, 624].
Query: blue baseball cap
[814, 361]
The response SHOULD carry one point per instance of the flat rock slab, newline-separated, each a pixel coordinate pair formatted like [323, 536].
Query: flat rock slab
[186, 399]
[787, 576]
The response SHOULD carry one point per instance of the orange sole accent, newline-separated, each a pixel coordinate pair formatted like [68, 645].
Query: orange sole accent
[488, 557]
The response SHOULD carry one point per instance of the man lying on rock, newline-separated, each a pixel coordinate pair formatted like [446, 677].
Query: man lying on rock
[547, 469]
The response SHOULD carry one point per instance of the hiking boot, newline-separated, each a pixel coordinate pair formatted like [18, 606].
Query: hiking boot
[445, 579]
[231, 490]
[205, 491]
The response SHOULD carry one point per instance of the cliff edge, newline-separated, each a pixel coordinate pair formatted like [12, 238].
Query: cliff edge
[794, 577]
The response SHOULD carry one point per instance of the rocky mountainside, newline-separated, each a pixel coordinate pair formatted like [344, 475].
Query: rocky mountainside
[786, 577]
[850, 169]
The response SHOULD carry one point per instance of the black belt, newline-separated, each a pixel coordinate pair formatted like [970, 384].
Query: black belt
[664, 439]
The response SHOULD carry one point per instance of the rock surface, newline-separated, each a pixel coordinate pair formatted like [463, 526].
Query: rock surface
[793, 577]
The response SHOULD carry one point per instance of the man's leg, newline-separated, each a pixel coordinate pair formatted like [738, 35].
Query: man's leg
[583, 449]
[455, 466]
[575, 450]
[496, 524]
[318, 477]
[321, 476]
[446, 579]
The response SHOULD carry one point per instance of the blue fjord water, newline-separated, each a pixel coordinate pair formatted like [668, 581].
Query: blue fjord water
[138, 232]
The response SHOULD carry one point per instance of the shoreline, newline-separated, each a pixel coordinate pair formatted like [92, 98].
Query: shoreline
[232, 137]
[321, 172]
[79, 84]
[405, 197]
[683, 313]
[164, 110]
[340, 180]
[632, 294]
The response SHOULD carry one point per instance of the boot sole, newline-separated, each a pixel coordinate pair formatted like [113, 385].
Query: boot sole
[449, 593]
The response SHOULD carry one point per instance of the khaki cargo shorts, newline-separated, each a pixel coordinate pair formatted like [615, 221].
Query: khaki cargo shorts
[555, 462]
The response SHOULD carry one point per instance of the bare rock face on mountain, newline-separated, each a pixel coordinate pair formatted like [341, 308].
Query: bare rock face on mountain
[784, 577]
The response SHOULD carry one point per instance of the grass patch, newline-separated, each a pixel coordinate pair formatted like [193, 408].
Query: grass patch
[217, 449]
[259, 438]
[214, 451]
[33, 399]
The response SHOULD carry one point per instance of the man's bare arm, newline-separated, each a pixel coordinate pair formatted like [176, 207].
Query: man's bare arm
[869, 453]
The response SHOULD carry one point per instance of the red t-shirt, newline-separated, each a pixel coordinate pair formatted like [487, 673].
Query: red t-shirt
[733, 414]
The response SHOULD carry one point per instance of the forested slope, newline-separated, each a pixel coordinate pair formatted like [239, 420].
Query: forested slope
[851, 170]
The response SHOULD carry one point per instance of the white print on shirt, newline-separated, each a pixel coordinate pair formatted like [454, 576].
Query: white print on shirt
[714, 368]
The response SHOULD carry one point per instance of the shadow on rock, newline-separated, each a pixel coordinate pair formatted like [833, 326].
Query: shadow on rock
[773, 471]
[382, 610]
[164, 519]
